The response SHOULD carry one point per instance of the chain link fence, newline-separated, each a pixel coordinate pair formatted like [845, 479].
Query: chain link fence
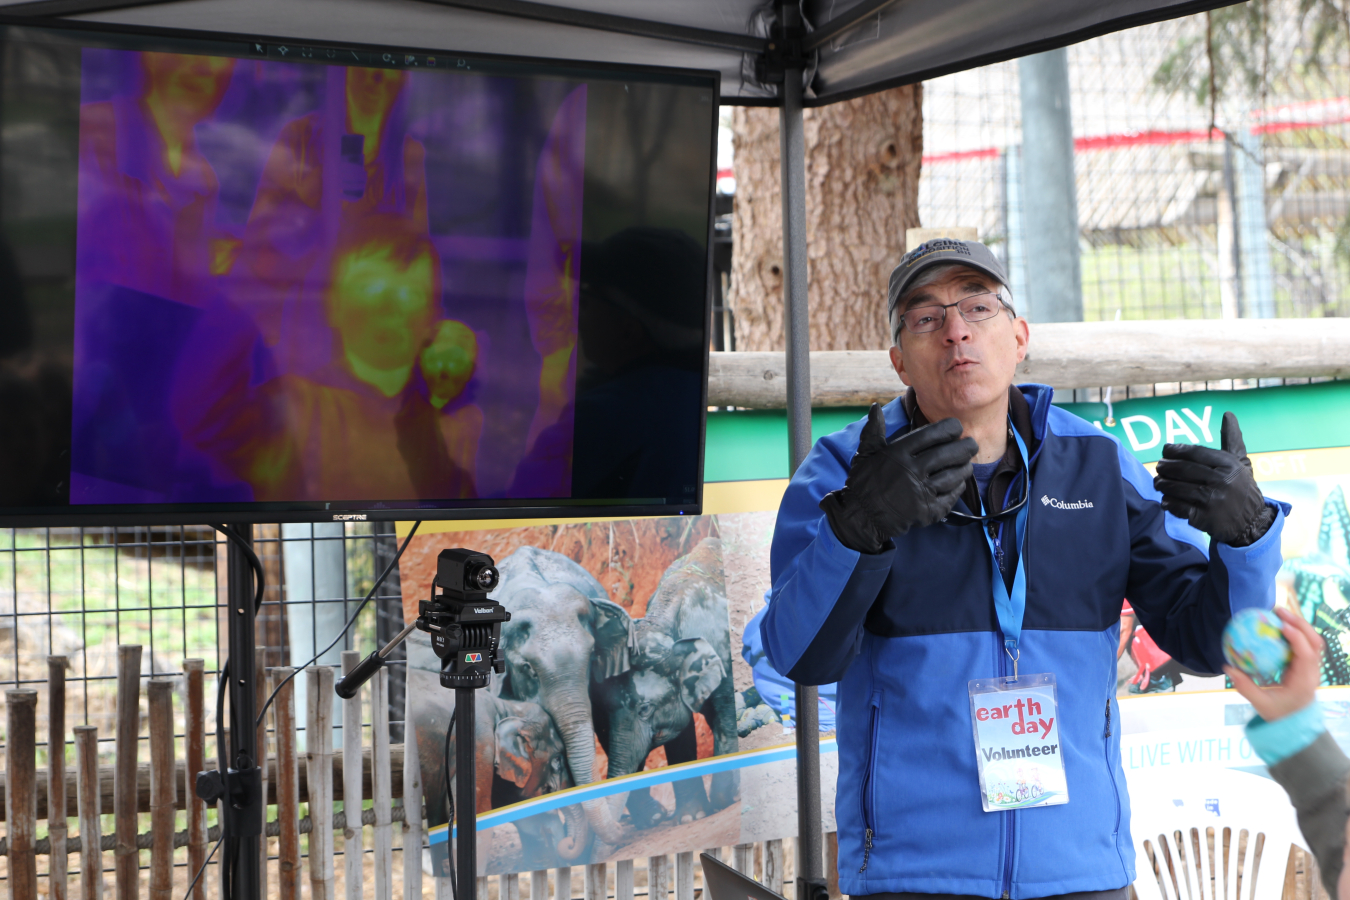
[82, 592]
[1186, 209]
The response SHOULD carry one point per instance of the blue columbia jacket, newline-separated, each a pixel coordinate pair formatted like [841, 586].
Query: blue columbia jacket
[903, 631]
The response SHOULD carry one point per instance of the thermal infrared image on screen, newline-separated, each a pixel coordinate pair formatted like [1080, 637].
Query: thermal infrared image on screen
[303, 282]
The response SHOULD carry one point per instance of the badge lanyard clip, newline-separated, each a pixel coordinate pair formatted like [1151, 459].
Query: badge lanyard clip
[1012, 607]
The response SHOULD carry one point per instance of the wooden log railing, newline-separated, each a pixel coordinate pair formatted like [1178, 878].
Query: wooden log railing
[1067, 355]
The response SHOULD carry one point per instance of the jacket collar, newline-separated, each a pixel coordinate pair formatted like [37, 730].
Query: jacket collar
[1029, 409]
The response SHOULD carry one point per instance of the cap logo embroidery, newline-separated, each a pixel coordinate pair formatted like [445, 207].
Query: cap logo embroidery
[937, 245]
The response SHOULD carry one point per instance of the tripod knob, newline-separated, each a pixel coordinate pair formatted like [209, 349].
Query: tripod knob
[210, 786]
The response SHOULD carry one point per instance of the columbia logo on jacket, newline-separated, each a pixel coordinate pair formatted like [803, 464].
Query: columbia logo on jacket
[1047, 500]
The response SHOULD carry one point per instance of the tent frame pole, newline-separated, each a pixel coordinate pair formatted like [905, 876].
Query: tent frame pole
[810, 869]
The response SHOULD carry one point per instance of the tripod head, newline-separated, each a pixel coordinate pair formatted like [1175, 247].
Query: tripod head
[465, 626]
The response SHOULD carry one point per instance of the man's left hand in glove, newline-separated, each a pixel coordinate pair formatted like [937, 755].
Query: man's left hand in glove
[1214, 489]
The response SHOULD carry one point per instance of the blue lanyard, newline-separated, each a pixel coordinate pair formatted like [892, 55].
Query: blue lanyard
[1011, 609]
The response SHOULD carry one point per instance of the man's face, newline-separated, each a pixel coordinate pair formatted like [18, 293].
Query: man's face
[372, 92]
[963, 366]
[380, 308]
[192, 85]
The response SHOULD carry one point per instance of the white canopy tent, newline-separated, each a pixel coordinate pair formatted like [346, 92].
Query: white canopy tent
[851, 47]
[779, 53]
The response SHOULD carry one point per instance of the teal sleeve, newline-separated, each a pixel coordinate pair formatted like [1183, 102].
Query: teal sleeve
[1281, 739]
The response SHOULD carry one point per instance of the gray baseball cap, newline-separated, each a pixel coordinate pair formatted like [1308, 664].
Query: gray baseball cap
[937, 252]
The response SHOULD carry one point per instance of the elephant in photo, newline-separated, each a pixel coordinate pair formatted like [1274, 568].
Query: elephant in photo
[686, 627]
[565, 636]
[518, 756]
[650, 707]
[518, 753]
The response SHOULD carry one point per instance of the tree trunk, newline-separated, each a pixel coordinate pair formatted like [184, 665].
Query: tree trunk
[862, 192]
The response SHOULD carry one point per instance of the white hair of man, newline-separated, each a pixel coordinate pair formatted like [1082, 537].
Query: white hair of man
[931, 276]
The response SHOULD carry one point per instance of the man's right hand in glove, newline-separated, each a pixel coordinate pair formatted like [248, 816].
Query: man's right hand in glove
[893, 486]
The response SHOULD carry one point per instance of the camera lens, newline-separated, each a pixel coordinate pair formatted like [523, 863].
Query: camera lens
[480, 577]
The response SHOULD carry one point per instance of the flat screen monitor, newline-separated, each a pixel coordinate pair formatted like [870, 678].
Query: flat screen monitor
[268, 279]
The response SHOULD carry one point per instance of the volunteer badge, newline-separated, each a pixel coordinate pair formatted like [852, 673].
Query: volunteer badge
[1017, 746]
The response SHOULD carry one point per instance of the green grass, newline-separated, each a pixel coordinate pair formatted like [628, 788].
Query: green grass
[108, 597]
[1157, 281]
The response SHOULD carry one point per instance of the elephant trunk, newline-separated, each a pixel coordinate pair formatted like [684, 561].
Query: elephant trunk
[627, 745]
[578, 833]
[573, 719]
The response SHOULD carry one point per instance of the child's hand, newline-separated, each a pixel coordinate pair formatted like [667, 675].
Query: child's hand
[1298, 685]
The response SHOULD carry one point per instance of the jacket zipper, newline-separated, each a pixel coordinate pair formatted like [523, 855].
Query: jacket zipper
[866, 790]
[1009, 816]
[1110, 771]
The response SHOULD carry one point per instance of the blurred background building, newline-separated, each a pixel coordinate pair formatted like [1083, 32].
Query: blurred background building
[1209, 159]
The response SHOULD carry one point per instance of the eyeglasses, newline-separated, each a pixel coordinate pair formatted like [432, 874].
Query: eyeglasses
[959, 518]
[975, 308]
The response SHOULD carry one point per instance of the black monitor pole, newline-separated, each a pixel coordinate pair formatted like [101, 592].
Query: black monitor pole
[244, 805]
[239, 785]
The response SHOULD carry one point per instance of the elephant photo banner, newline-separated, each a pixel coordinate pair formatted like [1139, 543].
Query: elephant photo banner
[627, 723]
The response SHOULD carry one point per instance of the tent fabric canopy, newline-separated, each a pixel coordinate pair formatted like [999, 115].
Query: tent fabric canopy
[846, 48]
[863, 45]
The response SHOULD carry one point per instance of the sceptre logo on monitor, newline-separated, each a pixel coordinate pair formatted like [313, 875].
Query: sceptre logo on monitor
[350, 517]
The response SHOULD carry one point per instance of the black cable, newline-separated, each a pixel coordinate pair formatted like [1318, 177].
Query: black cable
[224, 770]
[450, 804]
[227, 871]
[221, 753]
[197, 877]
[260, 578]
[345, 628]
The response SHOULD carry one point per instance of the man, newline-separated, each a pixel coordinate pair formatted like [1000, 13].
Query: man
[148, 195]
[378, 168]
[360, 427]
[883, 570]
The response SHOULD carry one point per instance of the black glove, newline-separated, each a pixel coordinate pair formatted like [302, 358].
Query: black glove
[891, 487]
[1214, 489]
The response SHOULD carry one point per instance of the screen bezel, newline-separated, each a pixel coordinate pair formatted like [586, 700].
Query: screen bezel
[355, 511]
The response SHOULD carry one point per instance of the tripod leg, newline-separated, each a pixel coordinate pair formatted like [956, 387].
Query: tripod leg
[466, 801]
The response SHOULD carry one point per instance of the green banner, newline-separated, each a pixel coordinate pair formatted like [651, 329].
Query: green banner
[752, 444]
[1304, 417]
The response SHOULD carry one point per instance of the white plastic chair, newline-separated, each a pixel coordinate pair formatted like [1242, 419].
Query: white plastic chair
[1210, 834]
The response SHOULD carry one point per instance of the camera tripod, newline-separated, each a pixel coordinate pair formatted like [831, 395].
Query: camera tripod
[465, 628]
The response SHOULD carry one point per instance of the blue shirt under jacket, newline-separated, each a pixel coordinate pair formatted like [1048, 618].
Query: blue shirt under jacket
[903, 631]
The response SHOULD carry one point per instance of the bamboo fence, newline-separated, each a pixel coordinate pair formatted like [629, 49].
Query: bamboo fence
[298, 859]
